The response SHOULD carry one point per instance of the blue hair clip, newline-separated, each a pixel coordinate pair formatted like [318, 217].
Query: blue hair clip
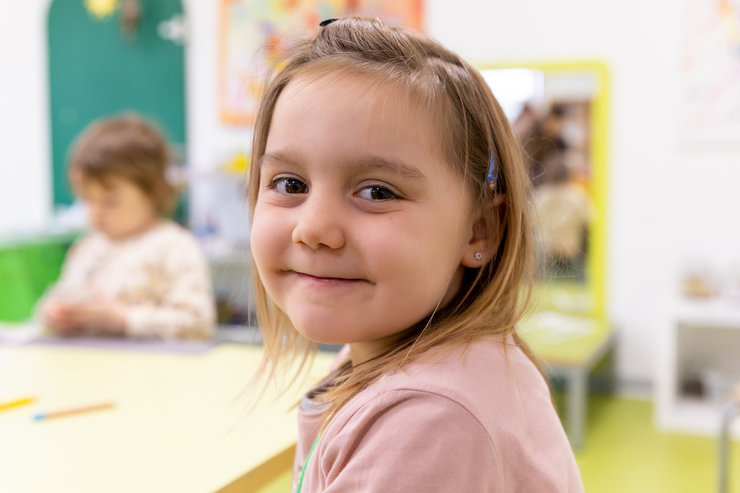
[492, 172]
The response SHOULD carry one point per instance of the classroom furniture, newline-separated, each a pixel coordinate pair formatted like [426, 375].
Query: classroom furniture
[30, 263]
[571, 343]
[28, 266]
[698, 365]
[182, 421]
[586, 82]
[730, 411]
[569, 330]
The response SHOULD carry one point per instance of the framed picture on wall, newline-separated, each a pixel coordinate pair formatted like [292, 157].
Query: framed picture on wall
[710, 69]
[254, 36]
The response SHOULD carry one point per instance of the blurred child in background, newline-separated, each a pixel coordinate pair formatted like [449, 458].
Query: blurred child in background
[563, 211]
[136, 273]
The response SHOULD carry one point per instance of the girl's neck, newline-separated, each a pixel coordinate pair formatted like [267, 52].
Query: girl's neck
[138, 232]
[365, 350]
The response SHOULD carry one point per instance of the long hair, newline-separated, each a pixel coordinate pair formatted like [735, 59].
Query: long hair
[475, 133]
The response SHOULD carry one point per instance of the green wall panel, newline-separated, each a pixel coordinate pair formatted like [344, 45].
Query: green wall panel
[95, 69]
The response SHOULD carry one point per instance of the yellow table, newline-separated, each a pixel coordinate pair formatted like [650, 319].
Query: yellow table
[180, 422]
[570, 339]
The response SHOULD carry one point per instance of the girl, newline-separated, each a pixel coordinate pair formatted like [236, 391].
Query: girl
[136, 273]
[389, 213]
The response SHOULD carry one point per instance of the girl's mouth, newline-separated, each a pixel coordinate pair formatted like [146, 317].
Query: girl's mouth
[327, 280]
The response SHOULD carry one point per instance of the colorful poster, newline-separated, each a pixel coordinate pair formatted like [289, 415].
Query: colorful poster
[254, 34]
[710, 70]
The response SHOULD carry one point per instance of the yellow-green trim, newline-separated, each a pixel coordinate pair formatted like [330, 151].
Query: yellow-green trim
[597, 260]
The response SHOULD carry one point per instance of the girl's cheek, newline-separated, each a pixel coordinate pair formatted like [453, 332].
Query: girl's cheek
[256, 238]
[264, 235]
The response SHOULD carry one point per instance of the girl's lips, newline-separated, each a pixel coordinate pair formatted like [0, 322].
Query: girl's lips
[327, 280]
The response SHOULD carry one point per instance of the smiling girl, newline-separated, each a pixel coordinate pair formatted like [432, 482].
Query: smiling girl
[389, 213]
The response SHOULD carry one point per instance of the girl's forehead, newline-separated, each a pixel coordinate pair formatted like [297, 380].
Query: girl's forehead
[369, 83]
[102, 184]
[331, 87]
[357, 107]
[362, 96]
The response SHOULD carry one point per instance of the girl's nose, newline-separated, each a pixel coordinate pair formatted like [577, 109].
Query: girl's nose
[319, 224]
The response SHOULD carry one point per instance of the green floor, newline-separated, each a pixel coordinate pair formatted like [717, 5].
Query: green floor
[625, 453]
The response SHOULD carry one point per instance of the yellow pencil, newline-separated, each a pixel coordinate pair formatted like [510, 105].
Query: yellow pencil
[74, 410]
[18, 402]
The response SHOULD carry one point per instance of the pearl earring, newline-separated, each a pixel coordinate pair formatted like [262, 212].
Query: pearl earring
[478, 255]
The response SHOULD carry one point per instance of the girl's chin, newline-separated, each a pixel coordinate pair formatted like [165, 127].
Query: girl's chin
[322, 337]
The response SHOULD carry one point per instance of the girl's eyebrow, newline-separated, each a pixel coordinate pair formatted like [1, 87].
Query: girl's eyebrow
[281, 157]
[380, 163]
[372, 162]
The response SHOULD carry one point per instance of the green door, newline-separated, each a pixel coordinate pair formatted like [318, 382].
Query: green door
[98, 67]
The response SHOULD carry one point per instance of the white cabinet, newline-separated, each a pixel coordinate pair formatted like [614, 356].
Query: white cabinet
[699, 366]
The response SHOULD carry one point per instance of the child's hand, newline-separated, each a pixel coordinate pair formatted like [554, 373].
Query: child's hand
[97, 316]
[57, 319]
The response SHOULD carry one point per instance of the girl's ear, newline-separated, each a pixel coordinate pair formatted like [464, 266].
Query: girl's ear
[483, 243]
[477, 250]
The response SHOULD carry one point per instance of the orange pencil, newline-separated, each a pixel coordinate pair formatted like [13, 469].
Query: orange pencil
[74, 410]
[18, 402]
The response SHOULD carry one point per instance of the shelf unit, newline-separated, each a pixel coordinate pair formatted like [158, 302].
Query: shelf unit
[701, 344]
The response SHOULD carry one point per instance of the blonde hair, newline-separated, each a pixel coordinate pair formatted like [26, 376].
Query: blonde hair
[475, 131]
[126, 147]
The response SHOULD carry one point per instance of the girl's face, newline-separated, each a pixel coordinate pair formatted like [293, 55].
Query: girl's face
[118, 209]
[361, 227]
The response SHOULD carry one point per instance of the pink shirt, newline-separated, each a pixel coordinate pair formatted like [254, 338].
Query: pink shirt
[460, 421]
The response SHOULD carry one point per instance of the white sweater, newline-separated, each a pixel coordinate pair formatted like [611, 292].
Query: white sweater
[161, 276]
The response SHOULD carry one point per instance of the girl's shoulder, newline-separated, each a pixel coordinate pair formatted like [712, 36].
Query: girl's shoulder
[175, 246]
[166, 228]
[169, 234]
[492, 381]
[89, 242]
[485, 397]
[495, 384]
[484, 368]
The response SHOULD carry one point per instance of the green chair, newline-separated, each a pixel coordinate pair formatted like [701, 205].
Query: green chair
[27, 269]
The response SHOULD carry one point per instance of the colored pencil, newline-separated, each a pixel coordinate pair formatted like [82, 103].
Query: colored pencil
[73, 410]
[18, 402]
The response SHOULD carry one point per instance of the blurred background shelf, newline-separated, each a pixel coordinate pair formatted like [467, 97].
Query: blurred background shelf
[700, 366]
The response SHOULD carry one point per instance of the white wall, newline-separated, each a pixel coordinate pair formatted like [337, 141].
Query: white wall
[25, 183]
[667, 201]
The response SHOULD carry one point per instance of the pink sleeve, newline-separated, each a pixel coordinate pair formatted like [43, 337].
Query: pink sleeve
[406, 440]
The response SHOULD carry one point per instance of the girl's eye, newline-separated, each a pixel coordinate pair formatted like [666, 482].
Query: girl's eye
[377, 192]
[289, 185]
